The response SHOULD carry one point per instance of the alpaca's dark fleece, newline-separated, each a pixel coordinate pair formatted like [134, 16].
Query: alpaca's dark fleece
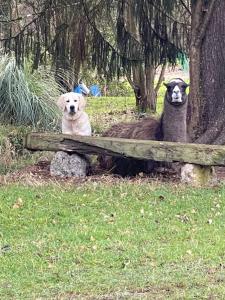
[147, 129]
[174, 123]
[172, 126]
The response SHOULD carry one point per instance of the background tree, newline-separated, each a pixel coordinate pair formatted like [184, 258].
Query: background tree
[148, 33]
[118, 38]
[5, 19]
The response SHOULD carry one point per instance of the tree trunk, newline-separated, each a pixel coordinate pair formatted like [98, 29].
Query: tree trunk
[150, 91]
[5, 11]
[143, 76]
[78, 45]
[195, 98]
[207, 97]
[161, 78]
[143, 85]
[61, 56]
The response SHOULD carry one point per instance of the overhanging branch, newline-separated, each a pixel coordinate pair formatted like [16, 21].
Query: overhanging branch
[185, 6]
[93, 25]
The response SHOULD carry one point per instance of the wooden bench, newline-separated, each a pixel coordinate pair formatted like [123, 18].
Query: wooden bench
[203, 157]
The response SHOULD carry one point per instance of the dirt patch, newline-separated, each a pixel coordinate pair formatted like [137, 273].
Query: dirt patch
[173, 72]
[39, 174]
[162, 292]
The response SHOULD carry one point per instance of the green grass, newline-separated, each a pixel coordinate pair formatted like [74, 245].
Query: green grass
[121, 240]
[106, 105]
[106, 111]
[118, 104]
[127, 240]
[109, 104]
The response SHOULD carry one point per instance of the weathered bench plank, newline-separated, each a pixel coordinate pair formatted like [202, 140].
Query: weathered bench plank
[208, 155]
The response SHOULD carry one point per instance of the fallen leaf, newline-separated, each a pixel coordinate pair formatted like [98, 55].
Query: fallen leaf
[5, 248]
[183, 218]
[125, 264]
[18, 203]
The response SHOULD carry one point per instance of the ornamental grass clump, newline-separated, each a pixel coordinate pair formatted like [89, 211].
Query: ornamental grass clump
[27, 98]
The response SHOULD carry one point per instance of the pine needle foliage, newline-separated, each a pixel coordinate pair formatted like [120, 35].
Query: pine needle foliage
[110, 35]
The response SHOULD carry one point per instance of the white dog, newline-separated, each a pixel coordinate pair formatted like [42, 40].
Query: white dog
[75, 120]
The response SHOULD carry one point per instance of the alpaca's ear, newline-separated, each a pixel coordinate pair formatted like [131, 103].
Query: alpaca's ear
[185, 85]
[82, 103]
[166, 85]
[61, 103]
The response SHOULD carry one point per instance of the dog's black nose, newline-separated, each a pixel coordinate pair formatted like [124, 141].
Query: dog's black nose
[72, 107]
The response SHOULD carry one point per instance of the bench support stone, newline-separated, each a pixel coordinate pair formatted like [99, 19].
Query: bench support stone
[198, 175]
[69, 165]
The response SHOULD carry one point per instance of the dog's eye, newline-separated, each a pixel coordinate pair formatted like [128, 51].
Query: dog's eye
[67, 100]
[75, 100]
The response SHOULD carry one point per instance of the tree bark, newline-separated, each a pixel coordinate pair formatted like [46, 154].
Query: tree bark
[207, 96]
[195, 98]
[5, 28]
[150, 91]
[143, 86]
[161, 78]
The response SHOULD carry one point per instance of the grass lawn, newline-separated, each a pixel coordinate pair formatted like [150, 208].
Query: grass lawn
[123, 240]
[115, 239]
[106, 111]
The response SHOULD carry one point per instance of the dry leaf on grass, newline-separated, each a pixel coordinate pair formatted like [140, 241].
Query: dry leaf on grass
[18, 203]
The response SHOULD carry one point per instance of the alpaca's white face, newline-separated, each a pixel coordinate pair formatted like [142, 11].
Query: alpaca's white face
[176, 94]
[176, 91]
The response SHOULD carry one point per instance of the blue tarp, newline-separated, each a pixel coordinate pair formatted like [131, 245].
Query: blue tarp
[95, 90]
[78, 89]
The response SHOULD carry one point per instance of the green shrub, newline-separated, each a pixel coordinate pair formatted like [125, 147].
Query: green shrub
[13, 156]
[120, 89]
[27, 98]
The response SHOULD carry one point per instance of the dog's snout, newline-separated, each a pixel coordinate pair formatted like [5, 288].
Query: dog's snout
[72, 107]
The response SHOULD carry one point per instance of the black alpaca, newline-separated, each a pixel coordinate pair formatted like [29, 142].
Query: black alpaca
[174, 117]
[172, 126]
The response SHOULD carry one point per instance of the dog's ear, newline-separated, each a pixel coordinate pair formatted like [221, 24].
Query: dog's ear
[61, 103]
[82, 102]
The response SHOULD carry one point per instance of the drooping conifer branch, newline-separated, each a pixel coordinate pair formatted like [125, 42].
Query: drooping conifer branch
[56, 30]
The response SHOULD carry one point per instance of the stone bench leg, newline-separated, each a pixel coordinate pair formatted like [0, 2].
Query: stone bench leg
[198, 175]
[69, 165]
